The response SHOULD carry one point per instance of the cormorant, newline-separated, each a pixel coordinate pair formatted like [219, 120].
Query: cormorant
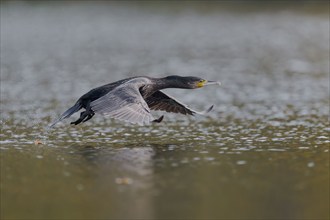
[132, 99]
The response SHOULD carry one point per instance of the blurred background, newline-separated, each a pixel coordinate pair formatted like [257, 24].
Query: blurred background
[262, 153]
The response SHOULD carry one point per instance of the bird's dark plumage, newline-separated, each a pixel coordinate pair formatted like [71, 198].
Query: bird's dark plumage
[132, 99]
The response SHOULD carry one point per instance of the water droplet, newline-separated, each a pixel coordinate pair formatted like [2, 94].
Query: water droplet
[123, 180]
[80, 187]
[66, 173]
[209, 158]
[311, 164]
[241, 162]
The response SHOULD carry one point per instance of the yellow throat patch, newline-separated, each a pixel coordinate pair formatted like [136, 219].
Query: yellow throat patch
[201, 83]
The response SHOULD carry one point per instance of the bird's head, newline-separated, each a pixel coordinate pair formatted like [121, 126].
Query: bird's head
[189, 82]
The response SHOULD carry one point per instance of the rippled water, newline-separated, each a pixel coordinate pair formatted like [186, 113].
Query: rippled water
[262, 153]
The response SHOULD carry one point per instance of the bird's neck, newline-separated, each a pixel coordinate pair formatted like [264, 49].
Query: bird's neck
[158, 84]
[164, 83]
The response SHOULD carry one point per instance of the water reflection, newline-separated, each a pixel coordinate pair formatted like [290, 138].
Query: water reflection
[120, 174]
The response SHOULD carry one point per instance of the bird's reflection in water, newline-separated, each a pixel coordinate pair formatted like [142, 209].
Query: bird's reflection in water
[121, 174]
[131, 162]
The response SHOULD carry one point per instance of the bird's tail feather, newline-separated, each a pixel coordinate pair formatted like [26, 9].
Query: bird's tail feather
[67, 113]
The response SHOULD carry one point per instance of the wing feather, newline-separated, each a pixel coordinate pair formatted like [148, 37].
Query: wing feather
[163, 102]
[124, 103]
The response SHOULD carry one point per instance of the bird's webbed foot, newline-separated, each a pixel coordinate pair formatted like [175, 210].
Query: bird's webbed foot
[84, 116]
[89, 116]
[160, 119]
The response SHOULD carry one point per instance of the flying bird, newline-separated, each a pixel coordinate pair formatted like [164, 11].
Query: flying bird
[132, 99]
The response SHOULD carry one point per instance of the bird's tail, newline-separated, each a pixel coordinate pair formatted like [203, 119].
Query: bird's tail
[67, 113]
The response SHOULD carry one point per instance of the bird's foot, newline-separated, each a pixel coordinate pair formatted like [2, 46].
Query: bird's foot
[89, 117]
[160, 119]
[83, 115]
[76, 122]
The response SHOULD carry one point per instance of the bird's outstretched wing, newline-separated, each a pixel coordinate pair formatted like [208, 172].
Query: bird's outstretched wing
[124, 103]
[162, 102]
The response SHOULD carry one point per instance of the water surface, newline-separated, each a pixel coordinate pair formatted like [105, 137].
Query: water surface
[262, 153]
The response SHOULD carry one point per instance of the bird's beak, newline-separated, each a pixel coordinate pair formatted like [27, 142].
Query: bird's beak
[212, 83]
[206, 83]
